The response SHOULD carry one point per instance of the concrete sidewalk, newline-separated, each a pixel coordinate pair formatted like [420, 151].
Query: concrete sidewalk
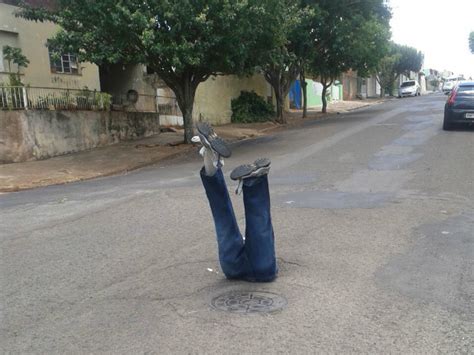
[126, 156]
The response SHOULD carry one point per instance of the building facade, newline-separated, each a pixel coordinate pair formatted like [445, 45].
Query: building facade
[43, 70]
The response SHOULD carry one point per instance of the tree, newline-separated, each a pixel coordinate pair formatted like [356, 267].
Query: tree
[15, 56]
[352, 35]
[281, 64]
[385, 72]
[471, 42]
[410, 59]
[399, 60]
[183, 42]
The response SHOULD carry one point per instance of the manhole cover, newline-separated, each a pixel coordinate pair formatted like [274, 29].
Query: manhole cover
[249, 302]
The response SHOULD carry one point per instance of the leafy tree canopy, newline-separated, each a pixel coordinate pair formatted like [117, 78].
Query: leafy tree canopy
[282, 64]
[399, 60]
[410, 59]
[15, 56]
[184, 42]
[353, 35]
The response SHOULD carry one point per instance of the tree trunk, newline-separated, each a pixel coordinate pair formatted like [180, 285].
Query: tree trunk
[324, 100]
[281, 80]
[279, 103]
[392, 84]
[185, 94]
[326, 85]
[304, 86]
[379, 81]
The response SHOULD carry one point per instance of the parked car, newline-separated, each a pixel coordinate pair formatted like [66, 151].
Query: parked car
[450, 83]
[409, 88]
[460, 105]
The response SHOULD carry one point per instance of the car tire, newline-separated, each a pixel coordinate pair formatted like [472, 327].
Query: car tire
[447, 125]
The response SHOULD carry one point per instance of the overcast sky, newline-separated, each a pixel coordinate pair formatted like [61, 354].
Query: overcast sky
[438, 28]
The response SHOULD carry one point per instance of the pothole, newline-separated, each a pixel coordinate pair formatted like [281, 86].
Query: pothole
[244, 302]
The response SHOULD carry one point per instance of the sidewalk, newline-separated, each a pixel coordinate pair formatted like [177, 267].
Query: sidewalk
[131, 155]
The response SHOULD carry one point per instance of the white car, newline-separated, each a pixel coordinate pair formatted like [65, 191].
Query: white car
[409, 88]
[450, 83]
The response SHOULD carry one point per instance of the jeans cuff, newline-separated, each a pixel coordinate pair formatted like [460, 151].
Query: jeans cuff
[216, 176]
[252, 181]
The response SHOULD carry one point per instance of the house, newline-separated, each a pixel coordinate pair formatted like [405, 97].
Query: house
[314, 90]
[43, 70]
[59, 109]
[212, 101]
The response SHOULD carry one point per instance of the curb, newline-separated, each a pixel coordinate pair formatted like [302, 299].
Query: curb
[120, 171]
[109, 173]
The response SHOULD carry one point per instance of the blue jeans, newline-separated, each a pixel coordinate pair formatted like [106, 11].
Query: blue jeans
[254, 258]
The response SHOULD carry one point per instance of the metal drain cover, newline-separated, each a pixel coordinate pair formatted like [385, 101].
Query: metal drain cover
[249, 302]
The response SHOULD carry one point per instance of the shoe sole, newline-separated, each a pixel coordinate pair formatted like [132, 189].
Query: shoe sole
[250, 170]
[211, 141]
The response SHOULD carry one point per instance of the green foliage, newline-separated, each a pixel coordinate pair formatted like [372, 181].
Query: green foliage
[399, 60]
[183, 42]
[15, 56]
[292, 25]
[14, 80]
[72, 100]
[250, 107]
[471, 42]
[410, 59]
[386, 72]
[348, 35]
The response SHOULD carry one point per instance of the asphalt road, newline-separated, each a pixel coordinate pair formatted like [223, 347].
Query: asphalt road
[374, 220]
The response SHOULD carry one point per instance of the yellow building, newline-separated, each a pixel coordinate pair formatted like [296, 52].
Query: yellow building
[123, 82]
[42, 71]
[213, 97]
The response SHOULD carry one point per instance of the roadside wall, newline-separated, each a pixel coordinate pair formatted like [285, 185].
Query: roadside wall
[34, 135]
[214, 96]
[349, 82]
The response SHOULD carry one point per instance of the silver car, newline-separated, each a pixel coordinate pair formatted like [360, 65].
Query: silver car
[409, 88]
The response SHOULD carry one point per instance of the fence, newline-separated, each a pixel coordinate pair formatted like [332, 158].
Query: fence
[146, 103]
[168, 106]
[42, 98]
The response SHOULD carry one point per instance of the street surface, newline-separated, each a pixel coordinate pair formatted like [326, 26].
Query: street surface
[374, 220]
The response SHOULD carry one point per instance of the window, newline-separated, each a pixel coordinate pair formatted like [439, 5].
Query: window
[65, 64]
[407, 83]
[465, 90]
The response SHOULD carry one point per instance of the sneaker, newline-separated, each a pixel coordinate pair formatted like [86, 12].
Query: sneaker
[217, 161]
[195, 139]
[210, 140]
[259, 168]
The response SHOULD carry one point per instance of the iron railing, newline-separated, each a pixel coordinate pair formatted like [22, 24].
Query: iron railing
[140, 102]
[43, 98]
[168, 106]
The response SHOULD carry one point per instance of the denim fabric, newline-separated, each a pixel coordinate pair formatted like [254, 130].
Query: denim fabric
[254, 258]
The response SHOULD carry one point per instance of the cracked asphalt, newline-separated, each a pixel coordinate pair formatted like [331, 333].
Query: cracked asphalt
[373, 213]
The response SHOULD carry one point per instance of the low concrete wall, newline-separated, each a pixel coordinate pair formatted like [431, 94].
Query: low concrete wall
[33, 135]
[214, 96]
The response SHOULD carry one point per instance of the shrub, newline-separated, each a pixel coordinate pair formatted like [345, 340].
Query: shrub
[249, 107]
